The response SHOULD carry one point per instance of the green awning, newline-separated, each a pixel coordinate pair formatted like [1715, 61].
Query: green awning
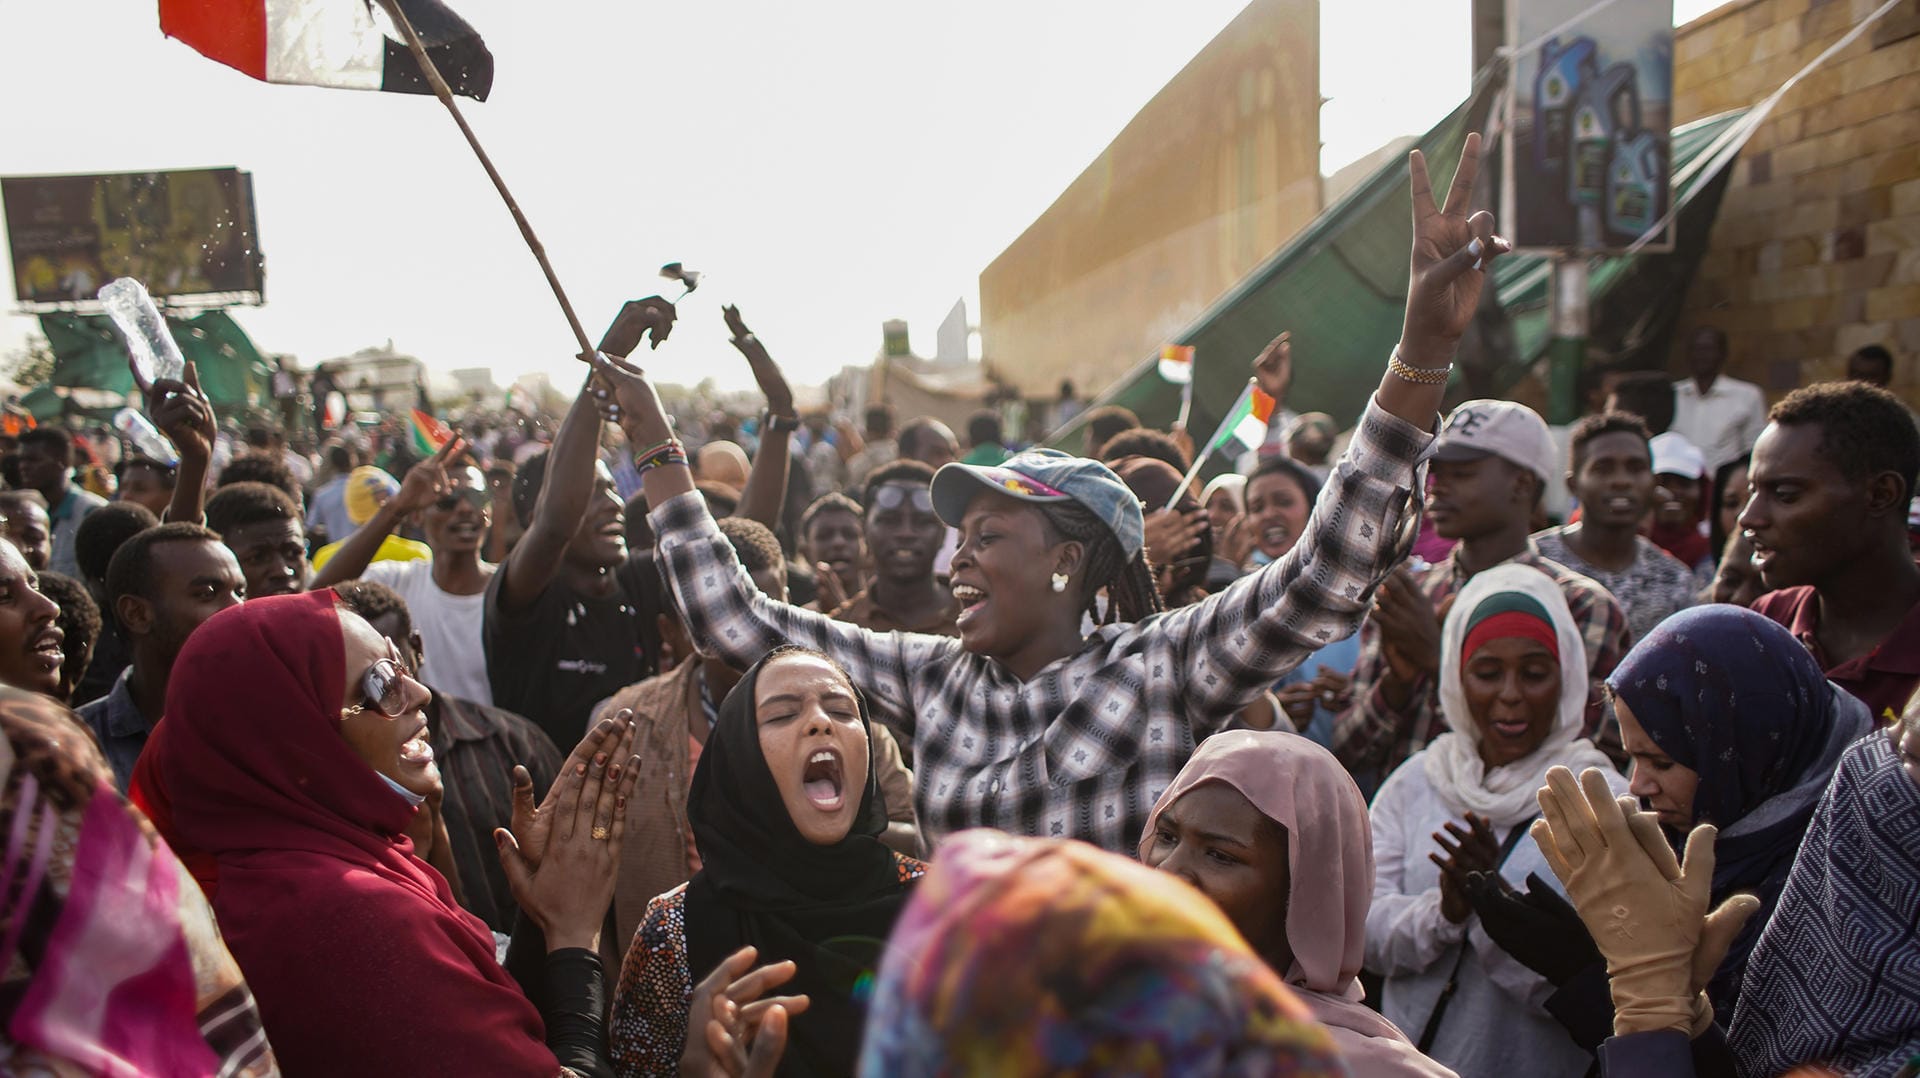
[88, 353]
[1339, 287]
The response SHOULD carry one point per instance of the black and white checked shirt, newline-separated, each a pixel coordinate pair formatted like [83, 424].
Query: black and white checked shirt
[1085, 748]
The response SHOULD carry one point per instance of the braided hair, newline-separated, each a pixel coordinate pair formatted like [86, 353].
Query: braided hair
[1131, 592]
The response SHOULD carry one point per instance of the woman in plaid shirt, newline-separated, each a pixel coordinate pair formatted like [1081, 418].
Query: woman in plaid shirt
[1027, 723]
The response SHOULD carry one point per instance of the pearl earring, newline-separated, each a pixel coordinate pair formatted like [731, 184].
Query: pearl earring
[1059, 582]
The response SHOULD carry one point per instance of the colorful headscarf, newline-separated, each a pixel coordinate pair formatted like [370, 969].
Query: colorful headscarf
[1023, 957]
[113, 963]
[1504, 615]
[1732, 695]
[1506, 795]
[1302, 788]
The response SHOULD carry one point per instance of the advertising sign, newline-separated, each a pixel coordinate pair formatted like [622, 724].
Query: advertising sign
[1589, 164]
[180, 233]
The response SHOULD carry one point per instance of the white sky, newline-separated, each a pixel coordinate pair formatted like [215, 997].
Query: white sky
[827, 166]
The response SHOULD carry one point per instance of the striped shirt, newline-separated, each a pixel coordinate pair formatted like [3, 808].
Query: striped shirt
[476, 747]
[1085, 748]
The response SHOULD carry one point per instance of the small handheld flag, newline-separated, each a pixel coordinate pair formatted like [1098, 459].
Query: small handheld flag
[429, 434]
[1176, 364]
[1246, 423]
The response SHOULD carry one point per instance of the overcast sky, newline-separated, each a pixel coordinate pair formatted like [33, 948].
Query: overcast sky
[827, 165]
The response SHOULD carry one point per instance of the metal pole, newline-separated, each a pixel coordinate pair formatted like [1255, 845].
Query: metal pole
[1567, 350]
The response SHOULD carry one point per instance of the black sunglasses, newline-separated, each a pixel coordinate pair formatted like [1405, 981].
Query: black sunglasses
[477, 498]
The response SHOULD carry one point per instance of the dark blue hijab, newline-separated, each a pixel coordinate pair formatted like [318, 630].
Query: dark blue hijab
[1734, 697]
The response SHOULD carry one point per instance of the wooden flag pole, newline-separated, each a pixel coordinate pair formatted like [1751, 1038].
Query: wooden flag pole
[442, 91]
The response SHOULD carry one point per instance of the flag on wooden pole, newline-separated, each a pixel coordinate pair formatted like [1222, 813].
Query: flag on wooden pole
[1176, 364]
[331, 43]
[1246, 423]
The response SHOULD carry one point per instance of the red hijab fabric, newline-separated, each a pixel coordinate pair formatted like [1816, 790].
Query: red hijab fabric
[360, 959]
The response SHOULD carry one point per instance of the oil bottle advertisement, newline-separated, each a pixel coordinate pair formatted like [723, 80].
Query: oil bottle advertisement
[1589, 165]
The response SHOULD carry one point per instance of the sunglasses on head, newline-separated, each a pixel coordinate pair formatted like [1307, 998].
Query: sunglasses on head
[479, 499]
[382, 688]
[892, 496]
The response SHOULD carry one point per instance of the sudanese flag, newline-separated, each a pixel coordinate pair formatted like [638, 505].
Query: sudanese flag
[332, 43]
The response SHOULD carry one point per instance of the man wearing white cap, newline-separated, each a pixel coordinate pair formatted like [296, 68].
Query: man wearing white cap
[1680, 504]
[1491, 464]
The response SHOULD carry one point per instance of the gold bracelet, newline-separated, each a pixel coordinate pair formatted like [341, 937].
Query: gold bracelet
[1420, 376]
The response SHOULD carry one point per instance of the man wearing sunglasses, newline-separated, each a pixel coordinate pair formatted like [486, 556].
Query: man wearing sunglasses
[446, 594]
[904, 537]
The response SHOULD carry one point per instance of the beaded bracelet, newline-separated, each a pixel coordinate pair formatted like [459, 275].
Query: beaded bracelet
[1420, 376]
[641, 454]
[667, 452]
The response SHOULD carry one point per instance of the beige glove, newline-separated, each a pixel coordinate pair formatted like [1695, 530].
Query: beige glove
[1646, 911]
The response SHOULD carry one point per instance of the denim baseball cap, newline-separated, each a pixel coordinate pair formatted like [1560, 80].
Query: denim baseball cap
[1042, 476]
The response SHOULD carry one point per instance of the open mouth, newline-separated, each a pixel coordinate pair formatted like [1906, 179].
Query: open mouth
[48, 647]
[464, 530]
[971, 599]
[1623, 506]
[1762, 553]
[417, 749]
[1276, 535]
[822, 780]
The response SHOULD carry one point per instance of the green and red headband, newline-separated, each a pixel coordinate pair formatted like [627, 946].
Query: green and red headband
[1509, 614]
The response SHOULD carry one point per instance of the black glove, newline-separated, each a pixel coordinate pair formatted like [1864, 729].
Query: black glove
[1539, 928]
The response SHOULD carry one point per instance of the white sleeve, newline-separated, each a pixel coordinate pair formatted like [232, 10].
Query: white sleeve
[1406, 933]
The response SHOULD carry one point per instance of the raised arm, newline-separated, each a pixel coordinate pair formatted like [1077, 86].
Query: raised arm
[424, 482]
[569, 479]
[1452, 250]
[185, 416]
[1236, 644]
[766, 492]
[726, 614]
[564, 491]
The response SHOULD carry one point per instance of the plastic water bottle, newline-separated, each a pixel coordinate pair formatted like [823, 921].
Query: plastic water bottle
[145, 438]
[153, 350]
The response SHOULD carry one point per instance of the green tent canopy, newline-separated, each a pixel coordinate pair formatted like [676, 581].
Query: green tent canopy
[1339, 286]
[89, 354]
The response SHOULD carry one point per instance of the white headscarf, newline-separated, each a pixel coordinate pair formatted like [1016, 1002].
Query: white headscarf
[1506, 795]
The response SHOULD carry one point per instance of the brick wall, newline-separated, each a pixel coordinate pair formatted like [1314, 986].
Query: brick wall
[1817, 247]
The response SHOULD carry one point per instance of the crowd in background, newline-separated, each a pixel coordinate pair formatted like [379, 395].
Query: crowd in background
[615, 742]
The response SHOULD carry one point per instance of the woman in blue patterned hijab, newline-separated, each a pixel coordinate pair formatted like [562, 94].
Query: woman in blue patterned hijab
[1730, 721]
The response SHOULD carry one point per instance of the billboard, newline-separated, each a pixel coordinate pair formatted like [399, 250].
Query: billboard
[181, 233]
[1589, 164]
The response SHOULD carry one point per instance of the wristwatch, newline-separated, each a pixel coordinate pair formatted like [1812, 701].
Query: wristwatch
[782, 424]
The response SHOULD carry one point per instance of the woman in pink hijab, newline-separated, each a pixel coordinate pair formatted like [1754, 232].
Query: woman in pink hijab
[1252, 812]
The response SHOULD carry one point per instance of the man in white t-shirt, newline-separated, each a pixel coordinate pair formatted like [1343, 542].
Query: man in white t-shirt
[1722, 416]
[447, 594]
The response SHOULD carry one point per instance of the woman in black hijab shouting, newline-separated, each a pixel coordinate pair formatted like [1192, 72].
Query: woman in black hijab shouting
[786, 817]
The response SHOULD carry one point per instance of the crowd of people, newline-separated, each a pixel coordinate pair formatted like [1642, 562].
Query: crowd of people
[632, 744]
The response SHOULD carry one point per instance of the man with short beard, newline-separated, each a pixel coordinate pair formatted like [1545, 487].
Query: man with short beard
[161, 585]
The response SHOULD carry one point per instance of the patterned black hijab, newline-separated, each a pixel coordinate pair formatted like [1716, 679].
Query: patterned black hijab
[828, 908]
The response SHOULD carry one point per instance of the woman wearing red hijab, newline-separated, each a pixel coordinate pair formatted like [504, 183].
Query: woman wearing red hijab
[292, 738]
